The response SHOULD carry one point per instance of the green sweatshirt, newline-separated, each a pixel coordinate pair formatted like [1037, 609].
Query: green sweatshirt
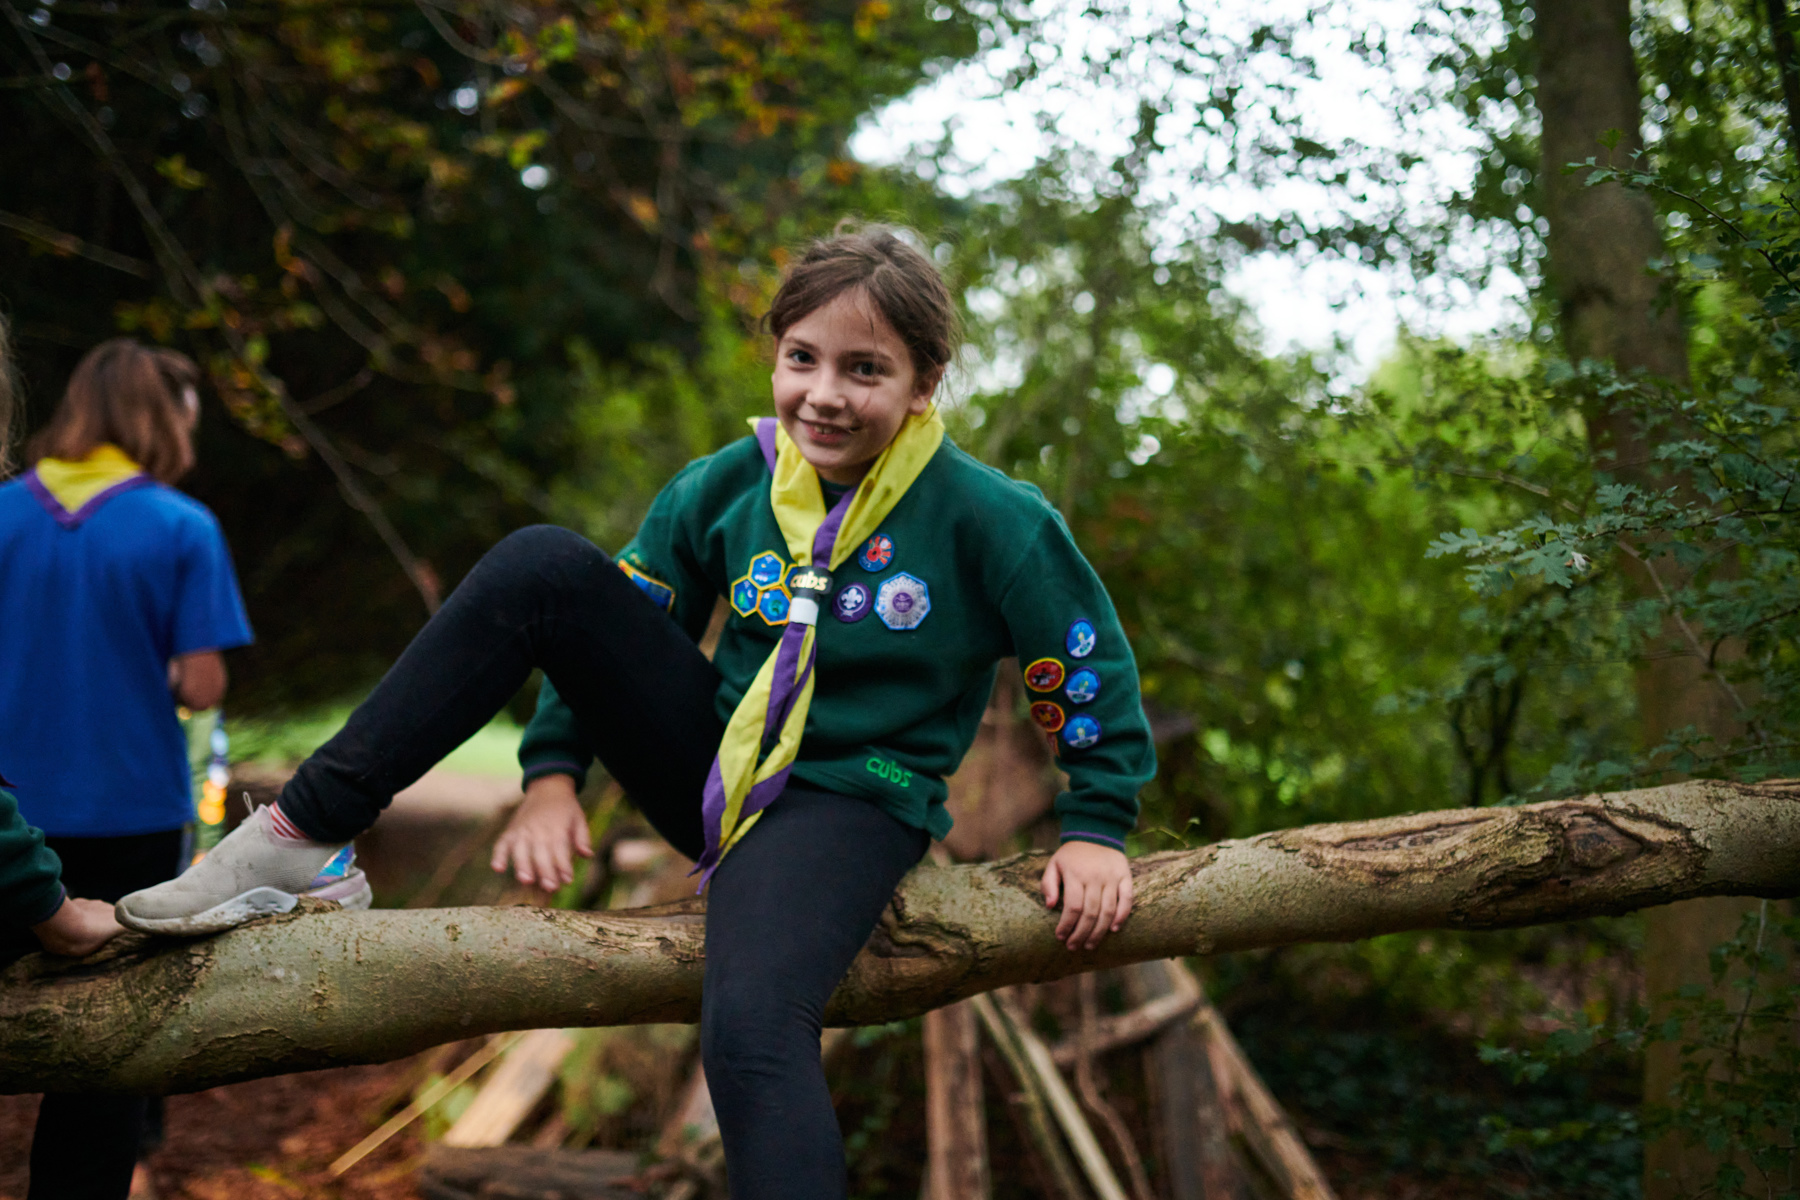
[970, 567]
[30, 873]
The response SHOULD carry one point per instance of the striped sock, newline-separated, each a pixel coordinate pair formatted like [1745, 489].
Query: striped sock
[281, 827]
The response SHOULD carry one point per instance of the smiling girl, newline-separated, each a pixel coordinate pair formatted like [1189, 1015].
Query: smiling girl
[876, 575]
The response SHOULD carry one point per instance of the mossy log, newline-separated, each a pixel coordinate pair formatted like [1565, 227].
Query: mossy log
[325, 988]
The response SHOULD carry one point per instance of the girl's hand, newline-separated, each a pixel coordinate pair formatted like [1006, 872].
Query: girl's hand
[1094, 885]
[78, 928]
[545, 833]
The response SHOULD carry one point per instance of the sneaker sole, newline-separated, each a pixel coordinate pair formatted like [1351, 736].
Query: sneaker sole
[351, 893]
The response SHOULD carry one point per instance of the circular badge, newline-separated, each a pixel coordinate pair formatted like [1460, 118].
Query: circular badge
[876, 553]
[773, 607]
[852, 603]
[903, 601]
[1080, 641]
[1084, 685]
[1081, 732]
[1044, 675]
[1048, 716]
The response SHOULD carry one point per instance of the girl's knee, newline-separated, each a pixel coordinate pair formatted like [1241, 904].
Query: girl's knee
[547, 553]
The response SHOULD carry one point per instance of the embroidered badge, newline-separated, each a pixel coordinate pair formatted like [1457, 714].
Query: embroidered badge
[766, 568]
[1084, 685]
[1080, 642]
[876, 553]
[1048, 716]
[1081, 732]
[1044, 675]
[903, 602]
[744, 594]
[656, 589]
[852, 603]
[773, 607]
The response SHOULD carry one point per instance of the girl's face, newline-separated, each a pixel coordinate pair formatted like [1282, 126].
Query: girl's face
[844, 384]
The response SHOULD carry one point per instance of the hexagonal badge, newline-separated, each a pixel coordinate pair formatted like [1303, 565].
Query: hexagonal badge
[743, 596]
[767, 568]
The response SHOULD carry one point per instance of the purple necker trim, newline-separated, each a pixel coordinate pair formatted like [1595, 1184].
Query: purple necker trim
[790, 677]
[765, 437]
[71, 520]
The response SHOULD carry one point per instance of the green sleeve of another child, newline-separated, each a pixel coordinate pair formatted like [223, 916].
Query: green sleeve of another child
[1081, 680]
[30, 874]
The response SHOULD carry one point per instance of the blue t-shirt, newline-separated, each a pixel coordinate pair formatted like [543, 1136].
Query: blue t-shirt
[92, 608]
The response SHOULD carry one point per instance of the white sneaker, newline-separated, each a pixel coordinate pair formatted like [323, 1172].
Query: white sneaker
[251, 873]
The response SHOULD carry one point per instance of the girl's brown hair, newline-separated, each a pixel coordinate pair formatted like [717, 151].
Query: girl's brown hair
[907, 288]
[131, 395]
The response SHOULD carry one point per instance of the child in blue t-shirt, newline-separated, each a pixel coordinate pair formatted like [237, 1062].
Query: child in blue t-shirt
[117, 600]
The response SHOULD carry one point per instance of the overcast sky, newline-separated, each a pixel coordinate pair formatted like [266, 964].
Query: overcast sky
[996, 134]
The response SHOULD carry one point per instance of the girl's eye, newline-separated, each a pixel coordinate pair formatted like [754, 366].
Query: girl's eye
[799, 357]
[866, 369]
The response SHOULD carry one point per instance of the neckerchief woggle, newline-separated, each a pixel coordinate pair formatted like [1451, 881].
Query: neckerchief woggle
[739, 786]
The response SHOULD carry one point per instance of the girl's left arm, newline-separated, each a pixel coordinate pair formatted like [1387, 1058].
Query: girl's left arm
[1081, 680]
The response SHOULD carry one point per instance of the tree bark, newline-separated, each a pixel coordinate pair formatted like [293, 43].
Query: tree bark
[324, 988]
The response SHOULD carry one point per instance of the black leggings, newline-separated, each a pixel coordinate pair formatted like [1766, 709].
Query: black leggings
[788, 909]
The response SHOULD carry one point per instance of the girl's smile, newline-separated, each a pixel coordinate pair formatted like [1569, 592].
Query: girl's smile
[844, 383]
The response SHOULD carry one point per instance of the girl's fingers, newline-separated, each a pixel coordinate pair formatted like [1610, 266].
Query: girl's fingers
[544, 860]
[584, 844]
[1052, 887]
[502, 852]
[1127, 893]
[1090, 916]
[1105, 913]
[1071, 910]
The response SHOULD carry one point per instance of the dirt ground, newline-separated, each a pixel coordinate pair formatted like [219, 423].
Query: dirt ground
[270, 1139]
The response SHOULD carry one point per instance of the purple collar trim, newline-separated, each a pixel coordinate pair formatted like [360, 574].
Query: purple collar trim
[72, 520]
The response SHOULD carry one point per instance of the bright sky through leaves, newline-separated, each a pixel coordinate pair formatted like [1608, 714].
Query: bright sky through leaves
[1088, 74]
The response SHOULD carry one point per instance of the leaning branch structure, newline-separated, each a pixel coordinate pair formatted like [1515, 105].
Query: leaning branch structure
[325, 988]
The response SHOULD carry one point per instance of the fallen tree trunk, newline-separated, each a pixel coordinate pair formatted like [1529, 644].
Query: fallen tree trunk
[320, 989]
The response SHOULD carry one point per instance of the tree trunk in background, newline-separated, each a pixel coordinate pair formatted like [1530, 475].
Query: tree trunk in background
[1611, 308]
[955, 1117]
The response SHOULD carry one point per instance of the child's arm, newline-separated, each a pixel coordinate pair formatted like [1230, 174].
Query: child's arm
[31, 891]
[1081, 680]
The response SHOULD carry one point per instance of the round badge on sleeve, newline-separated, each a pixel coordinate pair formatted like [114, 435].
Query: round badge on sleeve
[1048, 716]
[903, 602]
[1084, 685]
[852, 603]
[1044, 675]
[1080, 640]
[876, 553]
[1081, 732]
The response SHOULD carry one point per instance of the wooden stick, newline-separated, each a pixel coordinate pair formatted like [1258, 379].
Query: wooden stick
[1198, 1156]
[1062, 1102]
[955, 1130]
[1127, 1028]
[1096, 1103]
[526, 1073]
[496, 1046]
[1037, 1115]
[1267, 1131]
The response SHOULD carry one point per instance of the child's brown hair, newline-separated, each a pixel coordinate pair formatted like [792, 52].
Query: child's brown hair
[907, 288]
[133, 396]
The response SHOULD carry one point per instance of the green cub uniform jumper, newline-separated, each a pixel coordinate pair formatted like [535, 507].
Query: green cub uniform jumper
[970, 567]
